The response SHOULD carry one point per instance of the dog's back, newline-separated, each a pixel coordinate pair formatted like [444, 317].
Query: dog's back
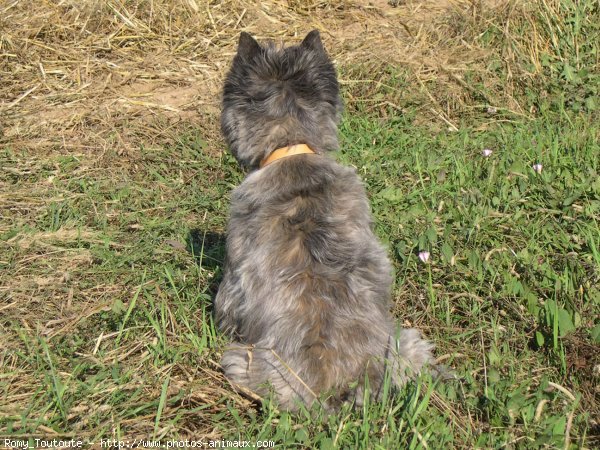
[306, 285]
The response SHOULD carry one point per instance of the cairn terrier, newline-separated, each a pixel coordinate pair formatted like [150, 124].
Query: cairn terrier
[305, 294]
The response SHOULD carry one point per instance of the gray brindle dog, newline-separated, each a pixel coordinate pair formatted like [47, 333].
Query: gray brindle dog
[306, 285]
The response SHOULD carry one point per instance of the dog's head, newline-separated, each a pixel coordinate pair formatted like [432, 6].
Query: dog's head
[274, 97]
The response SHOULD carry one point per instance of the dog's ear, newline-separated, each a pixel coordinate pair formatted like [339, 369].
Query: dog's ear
[247, 46]
[312, 41]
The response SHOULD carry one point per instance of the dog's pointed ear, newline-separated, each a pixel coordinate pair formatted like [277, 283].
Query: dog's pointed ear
[247, 46]
[312, 41]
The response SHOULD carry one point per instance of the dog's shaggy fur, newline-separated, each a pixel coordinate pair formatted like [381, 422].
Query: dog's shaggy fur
[306, 285]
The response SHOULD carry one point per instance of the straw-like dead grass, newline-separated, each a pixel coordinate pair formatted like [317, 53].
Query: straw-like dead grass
[96, 77]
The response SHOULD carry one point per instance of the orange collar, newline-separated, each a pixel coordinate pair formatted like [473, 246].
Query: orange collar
[283, 152]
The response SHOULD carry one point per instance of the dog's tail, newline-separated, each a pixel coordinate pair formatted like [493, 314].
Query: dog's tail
[409, 354]
[404, 355]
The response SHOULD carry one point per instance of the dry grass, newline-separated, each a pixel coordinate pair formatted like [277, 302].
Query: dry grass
[99, 78]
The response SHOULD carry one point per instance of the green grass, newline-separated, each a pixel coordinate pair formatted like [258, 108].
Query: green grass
[108, 271]
[510, 293]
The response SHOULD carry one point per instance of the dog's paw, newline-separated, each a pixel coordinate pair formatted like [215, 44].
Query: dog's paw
[236, 362]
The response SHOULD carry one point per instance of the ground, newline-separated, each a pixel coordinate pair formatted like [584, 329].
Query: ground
[114, 188]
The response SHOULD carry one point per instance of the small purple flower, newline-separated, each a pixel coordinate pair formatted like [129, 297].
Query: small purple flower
[491, 110]
[537, 167]
[487, 152]
[424, 256]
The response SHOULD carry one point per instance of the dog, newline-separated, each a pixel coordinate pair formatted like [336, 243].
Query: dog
[306, 287]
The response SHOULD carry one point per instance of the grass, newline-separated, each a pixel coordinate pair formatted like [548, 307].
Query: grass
[109, 263]
[509, 295]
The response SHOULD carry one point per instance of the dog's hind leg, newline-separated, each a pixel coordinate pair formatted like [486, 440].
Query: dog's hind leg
[259, 369]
